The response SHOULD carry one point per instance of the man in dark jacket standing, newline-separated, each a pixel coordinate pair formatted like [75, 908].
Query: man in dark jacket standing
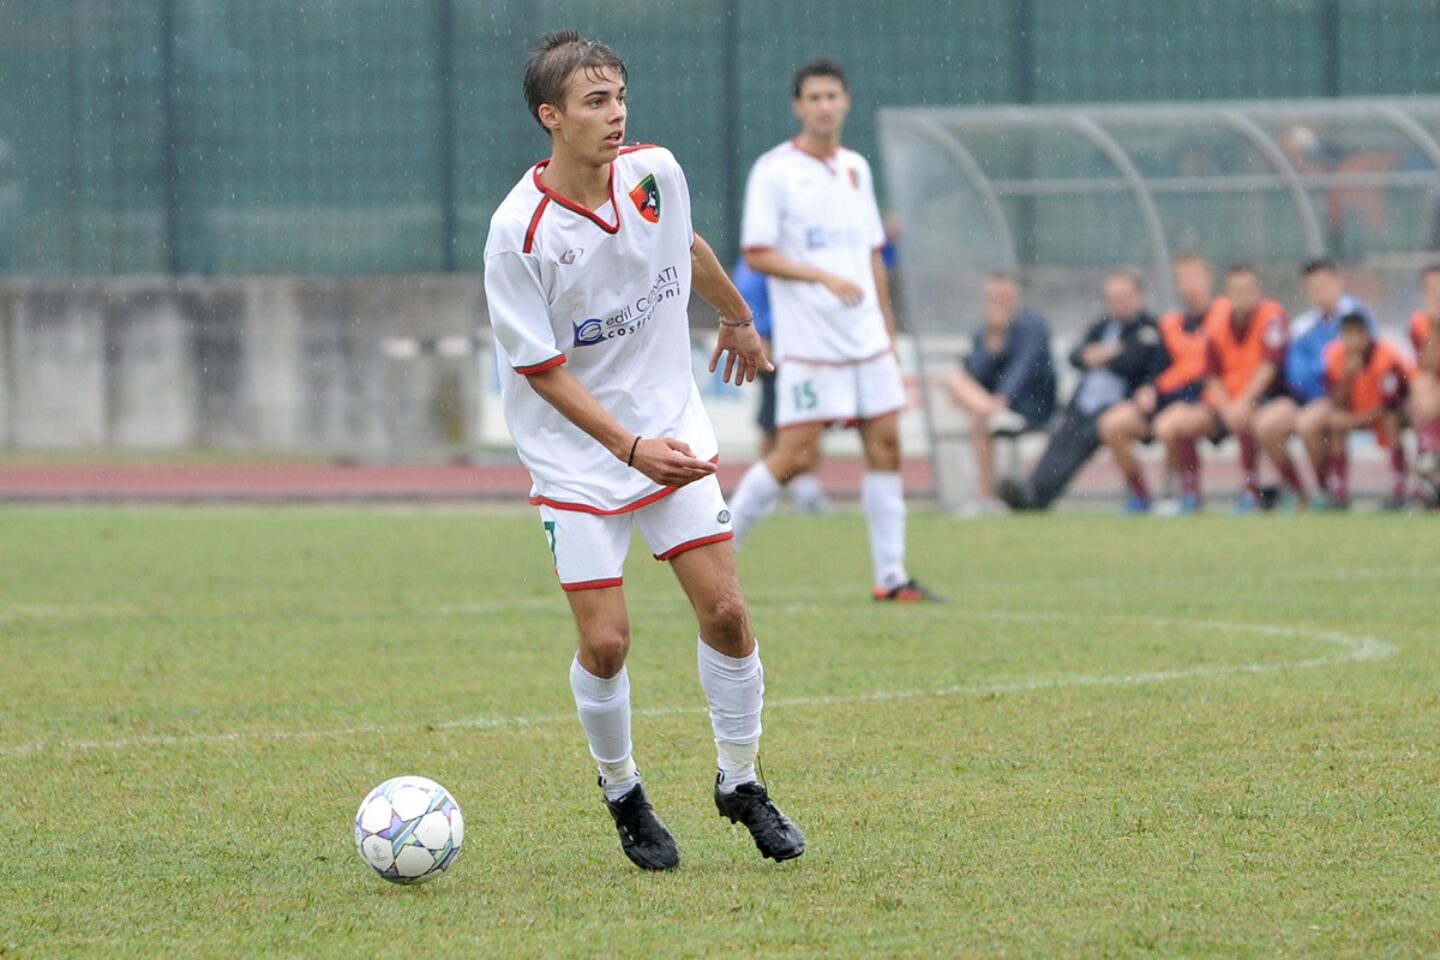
[1120, 354]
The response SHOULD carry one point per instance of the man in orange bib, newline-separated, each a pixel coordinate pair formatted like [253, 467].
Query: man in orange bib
[1367, 380]
[1182, 334]
[1245, 349]
[1425, 389]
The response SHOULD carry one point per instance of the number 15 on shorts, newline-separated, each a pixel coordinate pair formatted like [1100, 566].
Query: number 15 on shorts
[805, 396]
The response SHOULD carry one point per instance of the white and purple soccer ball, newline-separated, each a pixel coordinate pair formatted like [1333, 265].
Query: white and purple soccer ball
[409, 830]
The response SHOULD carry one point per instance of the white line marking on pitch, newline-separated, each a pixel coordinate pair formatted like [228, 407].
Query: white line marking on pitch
[1354, 649]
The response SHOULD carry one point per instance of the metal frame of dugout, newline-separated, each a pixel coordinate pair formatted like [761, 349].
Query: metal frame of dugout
[1059, 194]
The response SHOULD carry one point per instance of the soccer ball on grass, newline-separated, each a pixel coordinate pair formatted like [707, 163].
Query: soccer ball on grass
[409, 830]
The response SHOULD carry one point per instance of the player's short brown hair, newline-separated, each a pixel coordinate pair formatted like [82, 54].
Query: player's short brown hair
[1189, 256]
[819, 67]
[1236, 269]
[556, 58]
[1429, 269]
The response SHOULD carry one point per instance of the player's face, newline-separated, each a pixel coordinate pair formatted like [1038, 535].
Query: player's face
[1002, 299]
[1243, 292]
[593, 121]
[1323, 289]
[822, 106]
[1122, 298]
[1193, 282]
[1356, 339]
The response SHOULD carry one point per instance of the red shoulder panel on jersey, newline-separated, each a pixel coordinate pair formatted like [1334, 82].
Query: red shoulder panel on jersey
[554, 361]
[535, 222]
[637, 146]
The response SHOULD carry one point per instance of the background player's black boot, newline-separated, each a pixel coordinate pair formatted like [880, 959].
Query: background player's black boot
[643, 836]
[775, 836]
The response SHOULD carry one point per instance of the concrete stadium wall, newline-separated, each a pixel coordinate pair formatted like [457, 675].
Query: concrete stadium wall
[254, 364]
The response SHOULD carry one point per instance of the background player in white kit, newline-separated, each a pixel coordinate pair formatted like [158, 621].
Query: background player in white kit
[813, 227]
[588, 270]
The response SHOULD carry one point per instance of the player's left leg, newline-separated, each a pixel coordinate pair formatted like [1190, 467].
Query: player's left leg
[1120, 428]
[878, 392]
[1390, 433]
[1312, 425]
[882, 496]
[1180, 427]
[1273, 426]
[690, 529]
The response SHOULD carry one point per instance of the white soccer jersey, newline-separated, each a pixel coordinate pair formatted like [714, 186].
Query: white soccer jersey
[820, 212]
[604, 292]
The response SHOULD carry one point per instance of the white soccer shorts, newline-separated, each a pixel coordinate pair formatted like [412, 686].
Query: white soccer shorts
[589, 548]
[833, 393]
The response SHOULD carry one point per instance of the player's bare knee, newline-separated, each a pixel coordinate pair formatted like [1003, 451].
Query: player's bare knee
[725, 621]
[603, 649]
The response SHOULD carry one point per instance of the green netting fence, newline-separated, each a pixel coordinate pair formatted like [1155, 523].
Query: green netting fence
[360, 136]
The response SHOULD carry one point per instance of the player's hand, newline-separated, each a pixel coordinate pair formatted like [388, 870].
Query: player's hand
[1146, 400]
[744, 353]
[670, 462]
[1099, 354]
[848, 293]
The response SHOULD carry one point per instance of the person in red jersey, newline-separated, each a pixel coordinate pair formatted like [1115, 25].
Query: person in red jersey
[1367, 383]
[1245, 349]
[1183, 335]
[1425, 389]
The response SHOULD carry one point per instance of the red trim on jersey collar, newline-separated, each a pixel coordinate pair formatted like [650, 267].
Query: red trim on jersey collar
[541, 367]
[574, 207]
[645, 501]
[636, 146]
[535, 222]
[831, 162]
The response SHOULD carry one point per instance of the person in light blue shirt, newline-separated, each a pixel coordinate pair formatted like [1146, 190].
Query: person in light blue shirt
[1311, 333]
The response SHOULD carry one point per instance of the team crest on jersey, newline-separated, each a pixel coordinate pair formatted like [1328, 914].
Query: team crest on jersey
[646, 195]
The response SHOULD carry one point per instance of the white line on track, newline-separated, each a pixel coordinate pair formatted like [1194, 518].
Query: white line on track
[1352, 649]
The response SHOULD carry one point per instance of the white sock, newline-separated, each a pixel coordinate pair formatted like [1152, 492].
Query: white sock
[604, 708]
[883, 498]
[735, 688]
[755, 497]
[806, 493]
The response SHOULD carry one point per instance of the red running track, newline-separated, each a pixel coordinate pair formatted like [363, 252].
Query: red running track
[291, 482]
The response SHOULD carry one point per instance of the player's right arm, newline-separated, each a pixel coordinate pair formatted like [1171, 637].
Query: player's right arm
[760, 238]
[519, 314]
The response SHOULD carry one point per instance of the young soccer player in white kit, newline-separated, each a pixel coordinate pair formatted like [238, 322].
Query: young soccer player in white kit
[588, 270]
[813, 227]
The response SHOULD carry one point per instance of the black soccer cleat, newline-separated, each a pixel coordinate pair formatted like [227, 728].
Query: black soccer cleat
[643, 836]
[775, 836]
[908, 592]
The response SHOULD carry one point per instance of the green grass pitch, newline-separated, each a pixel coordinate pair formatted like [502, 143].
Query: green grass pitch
[1209, 737]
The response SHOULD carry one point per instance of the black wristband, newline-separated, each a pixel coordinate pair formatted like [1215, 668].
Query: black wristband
[738, 323]
[630, 460]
